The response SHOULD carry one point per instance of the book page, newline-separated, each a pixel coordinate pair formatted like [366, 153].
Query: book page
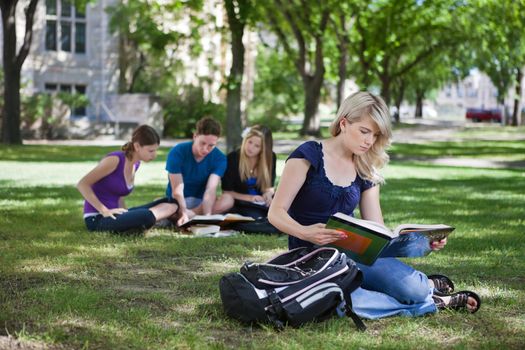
[433, 232]
[237, 217]
[204, 229]
[214, 217]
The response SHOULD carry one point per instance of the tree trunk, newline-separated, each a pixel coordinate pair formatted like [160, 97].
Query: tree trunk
[11, 112]
[312, 73]
[399, 100]
[12, 66]
[385, 89]
[501, 104]
[517, 98]
[343, 60]
[234, 88]
[342, 73]
[312, 94]
[123, 64]
[420, 95]
[312, 84]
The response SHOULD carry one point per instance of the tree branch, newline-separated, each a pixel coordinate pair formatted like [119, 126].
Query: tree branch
[319, 64]
[420, 57]
[301, 59]
[24, 50]
[280, 34]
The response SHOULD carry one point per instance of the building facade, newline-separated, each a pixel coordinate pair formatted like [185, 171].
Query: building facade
[72, 51]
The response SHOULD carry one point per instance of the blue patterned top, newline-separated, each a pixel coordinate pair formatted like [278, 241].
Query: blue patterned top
[319, 198]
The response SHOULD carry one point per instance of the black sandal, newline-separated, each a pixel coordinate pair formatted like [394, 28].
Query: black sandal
[442, 283]
[458, 301]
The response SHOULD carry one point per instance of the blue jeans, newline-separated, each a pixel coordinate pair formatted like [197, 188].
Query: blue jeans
[135, 220]
[390, 287]
[192, 202]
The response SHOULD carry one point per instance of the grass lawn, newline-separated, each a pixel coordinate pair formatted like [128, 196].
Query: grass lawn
[67, 288]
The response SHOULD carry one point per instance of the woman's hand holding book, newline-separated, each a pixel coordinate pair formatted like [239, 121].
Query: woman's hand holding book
[320, 235]
[437, 245]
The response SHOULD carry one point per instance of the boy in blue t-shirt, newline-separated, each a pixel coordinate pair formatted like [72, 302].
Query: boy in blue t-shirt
[194, 170]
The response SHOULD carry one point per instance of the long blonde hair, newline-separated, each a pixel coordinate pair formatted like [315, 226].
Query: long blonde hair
[263, 166]
[355, 107]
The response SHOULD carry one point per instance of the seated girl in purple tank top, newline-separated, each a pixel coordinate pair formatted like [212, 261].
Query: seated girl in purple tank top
[339, 174]
[106, 185]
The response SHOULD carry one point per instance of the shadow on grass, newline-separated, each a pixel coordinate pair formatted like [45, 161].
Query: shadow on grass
[73, 287]
[167, 298]
[460, 149]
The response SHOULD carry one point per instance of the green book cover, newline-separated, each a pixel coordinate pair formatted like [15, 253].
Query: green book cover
[362, 244]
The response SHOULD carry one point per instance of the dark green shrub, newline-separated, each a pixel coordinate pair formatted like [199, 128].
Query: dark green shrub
[182, 112]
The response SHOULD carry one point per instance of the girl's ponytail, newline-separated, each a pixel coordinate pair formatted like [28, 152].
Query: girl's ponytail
[127, 148]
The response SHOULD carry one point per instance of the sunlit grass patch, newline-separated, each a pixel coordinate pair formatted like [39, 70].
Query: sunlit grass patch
[502, 149]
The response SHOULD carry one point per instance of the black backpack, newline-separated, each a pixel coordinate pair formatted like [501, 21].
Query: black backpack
[299, 286]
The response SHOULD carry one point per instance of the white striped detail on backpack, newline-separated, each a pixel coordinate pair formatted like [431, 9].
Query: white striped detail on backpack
[299, 292]
[318, 293]
[343, 270]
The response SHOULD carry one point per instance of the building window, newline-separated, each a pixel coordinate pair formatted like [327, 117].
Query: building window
[471, 91]
[65, 27]
[71, 89]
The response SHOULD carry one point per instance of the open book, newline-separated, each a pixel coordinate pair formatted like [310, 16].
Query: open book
[202, 229]
[367, 240]
[217, 219]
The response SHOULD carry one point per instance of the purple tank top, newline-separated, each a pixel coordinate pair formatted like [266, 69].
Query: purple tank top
[110, 188]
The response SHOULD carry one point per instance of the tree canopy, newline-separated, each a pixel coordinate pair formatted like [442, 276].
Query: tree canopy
[403, 49]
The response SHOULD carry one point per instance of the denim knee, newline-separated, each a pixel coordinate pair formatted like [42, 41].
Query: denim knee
[395, 278]
[410, 292]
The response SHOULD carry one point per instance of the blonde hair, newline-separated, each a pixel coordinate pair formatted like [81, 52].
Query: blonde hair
[353, 109]
[263, 166]
[268, 146]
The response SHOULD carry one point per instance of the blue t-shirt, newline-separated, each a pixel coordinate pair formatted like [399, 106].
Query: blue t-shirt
[194, 174]
[318, 198]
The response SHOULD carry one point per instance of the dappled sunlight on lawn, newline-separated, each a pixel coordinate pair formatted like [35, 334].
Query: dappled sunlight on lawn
[79, 289]
[397, 170]
[60, 174]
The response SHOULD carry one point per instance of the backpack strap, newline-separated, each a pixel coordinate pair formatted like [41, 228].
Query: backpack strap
[350, 313]
[275, 310]
[348, 284]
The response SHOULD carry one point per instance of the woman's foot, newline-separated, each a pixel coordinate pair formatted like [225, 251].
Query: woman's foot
[441, 283]
[464, 300]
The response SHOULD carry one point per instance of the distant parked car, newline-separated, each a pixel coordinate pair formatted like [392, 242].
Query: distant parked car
[480, 114]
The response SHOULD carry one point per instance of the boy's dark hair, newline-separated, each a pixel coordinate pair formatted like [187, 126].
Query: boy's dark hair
[208, 126]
